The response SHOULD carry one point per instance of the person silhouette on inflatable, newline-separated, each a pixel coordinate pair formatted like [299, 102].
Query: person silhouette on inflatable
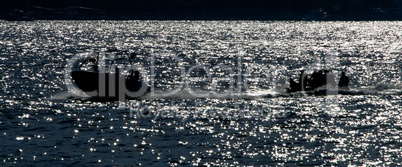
[343, 81]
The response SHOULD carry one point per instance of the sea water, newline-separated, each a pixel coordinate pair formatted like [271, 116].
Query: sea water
[218, 94]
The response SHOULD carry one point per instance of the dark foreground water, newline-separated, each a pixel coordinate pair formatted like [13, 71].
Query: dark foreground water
[229, 107]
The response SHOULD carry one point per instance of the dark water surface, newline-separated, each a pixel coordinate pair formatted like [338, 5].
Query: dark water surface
[42, 124]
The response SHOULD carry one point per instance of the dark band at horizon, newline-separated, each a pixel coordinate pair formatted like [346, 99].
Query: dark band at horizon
[202, 10]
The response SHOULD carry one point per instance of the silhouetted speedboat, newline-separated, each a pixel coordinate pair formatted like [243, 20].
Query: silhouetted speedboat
[109, 86]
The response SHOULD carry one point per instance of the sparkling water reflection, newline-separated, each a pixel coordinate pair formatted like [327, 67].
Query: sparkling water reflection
[42, 124]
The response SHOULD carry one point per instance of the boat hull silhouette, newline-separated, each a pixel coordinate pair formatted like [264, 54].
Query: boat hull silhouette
[109, 86]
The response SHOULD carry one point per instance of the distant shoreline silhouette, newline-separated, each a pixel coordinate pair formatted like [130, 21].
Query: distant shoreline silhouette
[337, 10]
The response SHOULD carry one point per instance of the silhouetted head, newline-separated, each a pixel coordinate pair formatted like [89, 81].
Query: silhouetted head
[137, 73]
[302, 71]
[343, 73]
[326, 71]
[92, 60]
[321, 71]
